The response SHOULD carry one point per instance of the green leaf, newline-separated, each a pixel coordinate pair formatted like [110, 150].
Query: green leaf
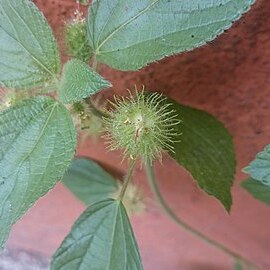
[88, 181]
[257, 189]
[128, 34]
[206, 151]
[29, 54]
[259, 168]
[37, 143]
[102, 238]
[79, 81]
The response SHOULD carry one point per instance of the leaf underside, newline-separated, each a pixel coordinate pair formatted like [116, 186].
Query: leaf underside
[102, 238]
[257, 189]
[206, 150]
[29, 53]
[259, 168]
[37, 143]
[128, 34]
[88, 181]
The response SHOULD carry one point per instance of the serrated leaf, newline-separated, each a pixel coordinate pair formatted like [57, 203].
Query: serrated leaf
[259, 168]
[79, 81]
[206, 150]
[29, 53]
[257, 189]
[128, 34]
[88, 181]
[102, 238]
[37, 143]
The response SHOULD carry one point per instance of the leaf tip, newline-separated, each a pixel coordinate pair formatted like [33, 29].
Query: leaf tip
[228, 204]
[246, 170]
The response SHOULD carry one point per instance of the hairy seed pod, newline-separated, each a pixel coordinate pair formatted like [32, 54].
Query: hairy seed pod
[143, 125]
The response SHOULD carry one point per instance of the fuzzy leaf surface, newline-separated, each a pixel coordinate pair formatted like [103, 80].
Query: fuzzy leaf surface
[79, 81]
[257, 189]
[88, 181]
[206, 151]
[102, 238]
[259, 168]
[29, 53]
[37, 144]
[128, 34]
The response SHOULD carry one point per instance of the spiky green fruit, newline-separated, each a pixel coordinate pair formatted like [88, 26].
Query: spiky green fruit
[143, 125]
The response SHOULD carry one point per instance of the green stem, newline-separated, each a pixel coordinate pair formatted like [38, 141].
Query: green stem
[127, 179]
[154, 186]
[94, 63]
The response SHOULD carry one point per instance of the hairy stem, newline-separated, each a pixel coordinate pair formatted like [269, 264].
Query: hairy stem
[127, 179]
[94, 63]
[155, 188]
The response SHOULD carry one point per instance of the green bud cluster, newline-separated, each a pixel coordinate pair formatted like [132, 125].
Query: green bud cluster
[143, 125]
[89, 124]
[9, 98]
[76, 38]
